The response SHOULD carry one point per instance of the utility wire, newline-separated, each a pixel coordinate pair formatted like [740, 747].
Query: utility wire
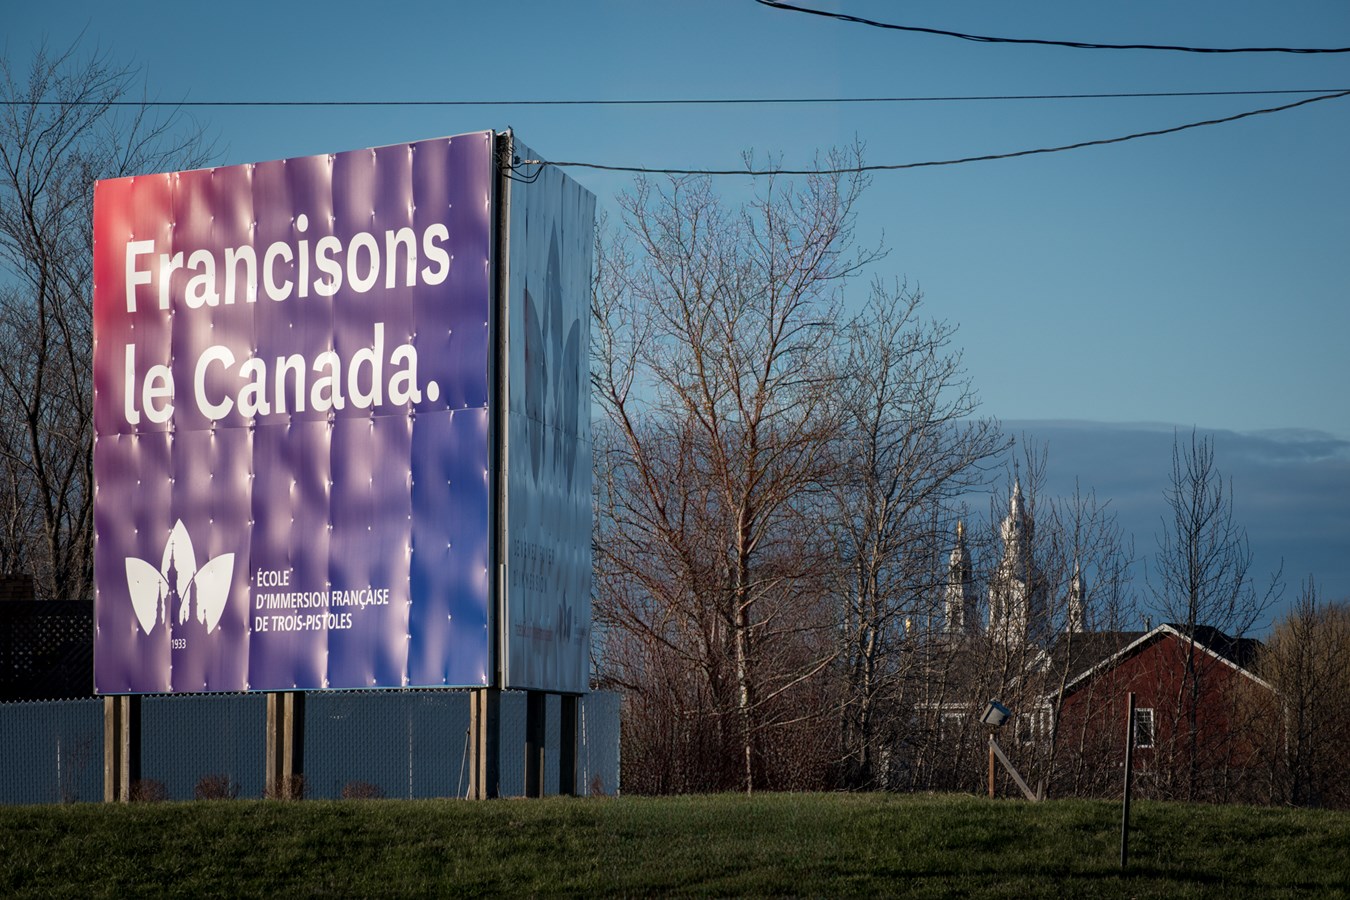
[883, 167]
[679, 101]
[1080, 45]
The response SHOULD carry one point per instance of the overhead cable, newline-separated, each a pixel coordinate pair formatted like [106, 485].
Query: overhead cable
[1079, 45]
[888, 167]
[681, 101]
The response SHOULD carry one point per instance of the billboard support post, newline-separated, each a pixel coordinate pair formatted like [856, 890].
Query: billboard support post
[485, 743]
[285, 745]
[567, 746]
[121, 746]
[536, 730]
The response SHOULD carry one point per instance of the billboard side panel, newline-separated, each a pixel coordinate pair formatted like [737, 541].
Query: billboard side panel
[548, 506]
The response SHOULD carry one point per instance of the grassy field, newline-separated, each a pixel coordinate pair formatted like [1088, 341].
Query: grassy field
[777, 844]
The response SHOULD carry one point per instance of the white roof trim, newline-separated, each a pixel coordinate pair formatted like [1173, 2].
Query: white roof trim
[1112, 660]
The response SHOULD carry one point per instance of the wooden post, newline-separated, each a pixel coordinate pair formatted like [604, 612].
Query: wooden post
[991, 766]
[567, 746]
[121, 747]
[1027, 792]
[285, 745]
[536, 729]
[1129, 781]
[485, 743]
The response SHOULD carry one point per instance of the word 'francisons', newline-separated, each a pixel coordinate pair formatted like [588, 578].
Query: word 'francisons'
[214, 281]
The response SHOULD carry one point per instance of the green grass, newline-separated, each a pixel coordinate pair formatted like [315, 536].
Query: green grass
[775, 844]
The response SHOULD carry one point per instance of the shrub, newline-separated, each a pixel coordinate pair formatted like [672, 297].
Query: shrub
[147, 790]
[215, 787]
[362, 790]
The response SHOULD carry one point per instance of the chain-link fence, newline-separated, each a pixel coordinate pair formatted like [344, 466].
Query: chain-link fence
[411, 744]
[52, 751]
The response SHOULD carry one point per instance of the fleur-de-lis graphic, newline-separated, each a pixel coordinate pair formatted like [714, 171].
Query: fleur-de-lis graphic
[178, 589]
[552, 383]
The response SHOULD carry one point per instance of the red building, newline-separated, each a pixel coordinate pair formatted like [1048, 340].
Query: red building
[1195, 711]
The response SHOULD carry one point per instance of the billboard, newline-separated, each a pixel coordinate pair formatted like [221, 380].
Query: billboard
[294, 412]
[547, 525]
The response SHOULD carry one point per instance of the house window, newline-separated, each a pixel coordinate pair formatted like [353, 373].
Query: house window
[1033, 727]
[1143, 728]
[950, 726]
[1026, 728]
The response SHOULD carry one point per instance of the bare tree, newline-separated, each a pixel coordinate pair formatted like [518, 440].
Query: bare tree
[1052, 575]
[907, 447]
[714, 369]
[1201, 577]
[1088, 560]
[61, 128]
[1307, 661]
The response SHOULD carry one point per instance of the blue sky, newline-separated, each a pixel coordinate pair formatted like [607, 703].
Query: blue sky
[1197, 279]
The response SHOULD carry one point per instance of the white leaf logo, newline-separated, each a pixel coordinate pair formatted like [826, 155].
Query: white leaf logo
[178, 591]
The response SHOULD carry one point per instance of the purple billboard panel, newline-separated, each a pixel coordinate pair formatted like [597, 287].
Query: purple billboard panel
[291, 406]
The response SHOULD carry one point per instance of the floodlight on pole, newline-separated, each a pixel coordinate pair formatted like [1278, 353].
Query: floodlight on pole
[995, 714]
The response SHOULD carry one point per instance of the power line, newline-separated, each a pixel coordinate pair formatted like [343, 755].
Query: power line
[1080, 45]
[885, 167]
[678, 101]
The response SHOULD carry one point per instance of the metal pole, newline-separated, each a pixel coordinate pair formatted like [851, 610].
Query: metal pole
[1129, 781]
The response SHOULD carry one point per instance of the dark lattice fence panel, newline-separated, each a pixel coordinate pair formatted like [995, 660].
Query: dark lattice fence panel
[52, 752]
[46, 649]
[204, 744]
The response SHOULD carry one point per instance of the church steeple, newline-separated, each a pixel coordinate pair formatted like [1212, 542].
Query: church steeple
[1075, 620]
[1017, 527]
[960, 600]
[1015, 601]
[173, 604]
